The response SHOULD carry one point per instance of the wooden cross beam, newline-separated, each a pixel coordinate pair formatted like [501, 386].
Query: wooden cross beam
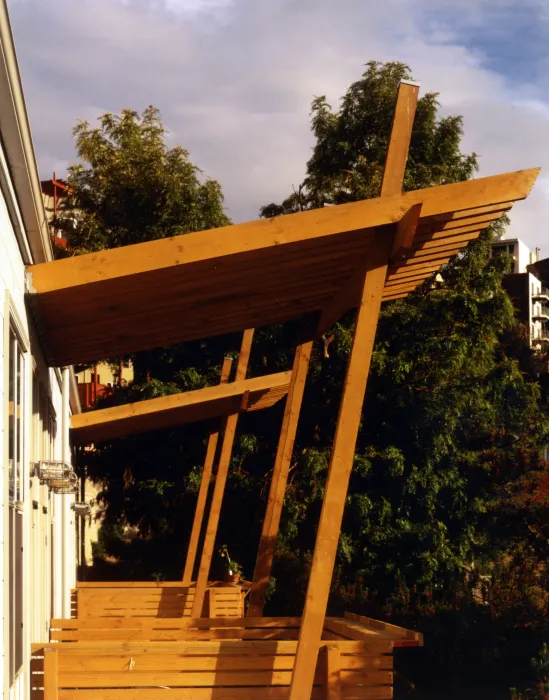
[220, 482]
[350, 410]
[204, 488]
[279, 480]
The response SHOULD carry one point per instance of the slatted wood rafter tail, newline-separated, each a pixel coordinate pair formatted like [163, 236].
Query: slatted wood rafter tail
[255, 274]
[187, 407]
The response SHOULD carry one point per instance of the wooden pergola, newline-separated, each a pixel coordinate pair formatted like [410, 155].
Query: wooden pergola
[314, 265]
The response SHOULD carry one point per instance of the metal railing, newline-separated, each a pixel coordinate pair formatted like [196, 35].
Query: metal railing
[540, 310]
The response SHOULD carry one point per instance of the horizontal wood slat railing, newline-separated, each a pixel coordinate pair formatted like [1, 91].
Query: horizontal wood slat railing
[172, 600]
[252, 666]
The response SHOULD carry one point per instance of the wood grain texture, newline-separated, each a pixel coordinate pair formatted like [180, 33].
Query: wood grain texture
[214, 669]
[51, 678]
[279, 480]
[256, 274]
[178, 409]
[220, 482]
[354, 388]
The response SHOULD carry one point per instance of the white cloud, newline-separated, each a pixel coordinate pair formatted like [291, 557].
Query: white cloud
[234, 80]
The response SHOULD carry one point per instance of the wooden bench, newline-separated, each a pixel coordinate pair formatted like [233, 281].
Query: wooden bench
[154, 599]
[214, 659]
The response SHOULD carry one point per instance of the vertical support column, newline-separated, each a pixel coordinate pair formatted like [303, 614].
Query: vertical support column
[332, 669]
[351, 408]
[204, 487]
[279, 480]
[51, 674]
[221, 480]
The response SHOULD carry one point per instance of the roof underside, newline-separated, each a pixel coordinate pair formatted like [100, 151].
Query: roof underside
[178, 409]
[251, 275]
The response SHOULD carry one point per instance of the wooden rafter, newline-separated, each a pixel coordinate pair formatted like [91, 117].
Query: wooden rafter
[255, 274]
[204, 487]
[220, 482]
[177, 409]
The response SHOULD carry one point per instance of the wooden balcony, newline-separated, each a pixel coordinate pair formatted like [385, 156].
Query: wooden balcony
[123, 658]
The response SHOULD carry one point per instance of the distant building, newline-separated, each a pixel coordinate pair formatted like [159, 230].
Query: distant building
[527, 287]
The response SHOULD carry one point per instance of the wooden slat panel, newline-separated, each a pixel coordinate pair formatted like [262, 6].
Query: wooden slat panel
[179, 623]
[132, 584]
[380, 626]
[191, 694]
[138, 679]
[115, 661]
[273, 693]
[203, 648]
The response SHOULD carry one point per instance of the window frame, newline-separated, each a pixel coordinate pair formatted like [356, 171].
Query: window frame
[15, 509]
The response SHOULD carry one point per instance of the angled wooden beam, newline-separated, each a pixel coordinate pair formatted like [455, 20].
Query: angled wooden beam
[210, 402]
[220, 482]
[204, 487]
[350, 410]
[399, 142]
[343, 300]
[393, 176]
[405, 233]
[279, 480]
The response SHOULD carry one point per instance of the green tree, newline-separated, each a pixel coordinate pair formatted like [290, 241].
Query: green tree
[349, 153]
[130, 187]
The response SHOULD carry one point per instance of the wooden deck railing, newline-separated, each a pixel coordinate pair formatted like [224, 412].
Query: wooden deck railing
[211, 659]
[152, 599]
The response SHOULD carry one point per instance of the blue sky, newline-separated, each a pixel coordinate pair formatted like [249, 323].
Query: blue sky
[234, 78]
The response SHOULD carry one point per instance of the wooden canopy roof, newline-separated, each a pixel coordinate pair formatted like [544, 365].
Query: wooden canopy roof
[258, 273]
[188, 407]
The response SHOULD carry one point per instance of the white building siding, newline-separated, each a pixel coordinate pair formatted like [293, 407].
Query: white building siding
[48, 533]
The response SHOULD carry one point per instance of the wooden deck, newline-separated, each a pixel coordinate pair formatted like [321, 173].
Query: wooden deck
[123, 658]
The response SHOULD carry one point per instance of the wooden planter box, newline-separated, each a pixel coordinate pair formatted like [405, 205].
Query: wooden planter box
[214, 659]
[155, 599]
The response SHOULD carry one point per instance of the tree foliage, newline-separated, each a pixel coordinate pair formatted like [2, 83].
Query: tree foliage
[349, 154]
[130, 187]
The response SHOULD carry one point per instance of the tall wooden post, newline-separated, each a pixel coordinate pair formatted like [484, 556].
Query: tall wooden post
[350, 409]
[204, 487]
[220, 481]
[279, 480]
